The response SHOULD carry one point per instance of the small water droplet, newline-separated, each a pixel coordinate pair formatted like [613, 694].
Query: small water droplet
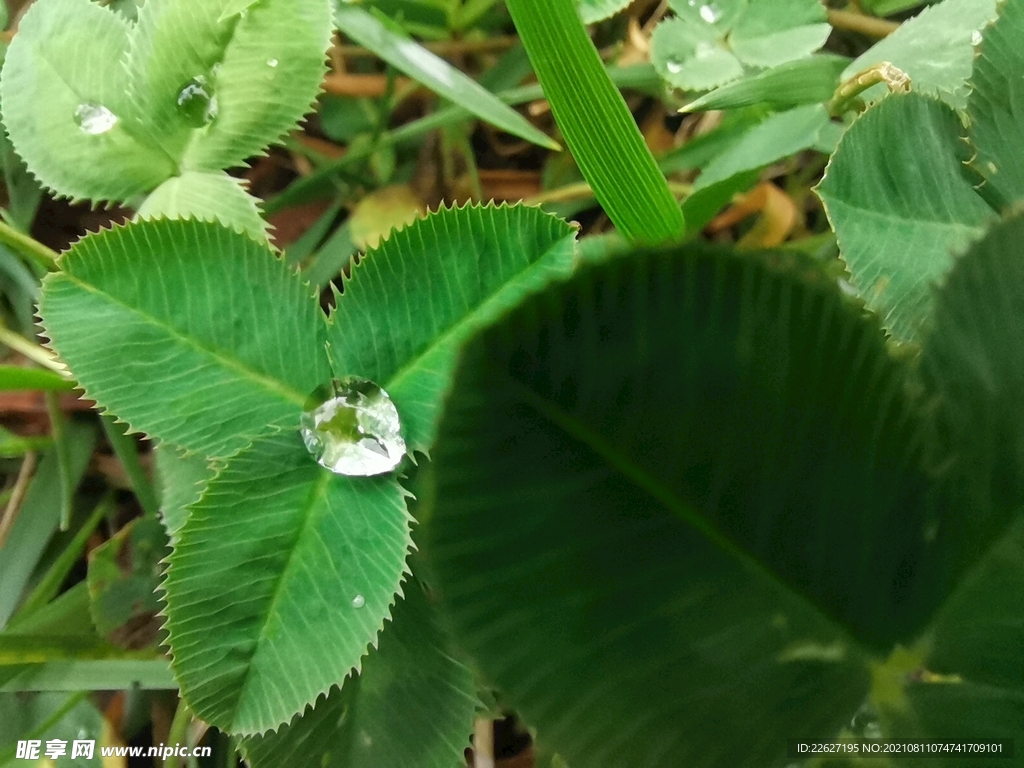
[710, 13]
[358, 601]
[353, 428]
[846, 287]
[866, 723]
[705, 49]
[976, 37]
[272, 63]
[197, 103]
[674, 66]
[94, 119]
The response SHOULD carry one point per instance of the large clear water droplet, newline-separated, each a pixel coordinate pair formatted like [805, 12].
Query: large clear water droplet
[94, 119]
[197, 102]
[353, 428]
[976, 37]
[358, 601]
[674, 66]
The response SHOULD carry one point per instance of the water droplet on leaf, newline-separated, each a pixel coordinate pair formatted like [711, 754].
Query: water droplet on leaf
[355, 430]
[358, 601]
[94, 119]
[976, 37]
[197, 103]
[674, 66]
[705, 49]
[866, 723]
[272, 63]
[710, 13]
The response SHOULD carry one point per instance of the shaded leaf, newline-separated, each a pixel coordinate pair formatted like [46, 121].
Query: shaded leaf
[640, 480]
[411, 685]
[995, 105]
[737, 168]
[203, 378]
[775, 138]
[935, 48]
[123, 576]
[901, 205]
[973, 360]
[281, 577]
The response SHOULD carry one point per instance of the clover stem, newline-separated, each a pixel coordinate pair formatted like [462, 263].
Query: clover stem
[28, 246]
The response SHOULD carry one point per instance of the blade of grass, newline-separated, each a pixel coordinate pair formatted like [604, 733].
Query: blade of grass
[641, 77]
[17, 497]
[60, 444]
[595, 121]
[50, 584]
[127, 451]
[20, 378]
[94, 675]
[32, 351]
[28, 247]
[434, 72]
[36, 524]
[9, 754]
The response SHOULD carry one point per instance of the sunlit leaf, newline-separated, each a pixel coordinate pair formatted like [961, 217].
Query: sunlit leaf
[76, 126]
[281, 578]
[175, 363]
[431, 285]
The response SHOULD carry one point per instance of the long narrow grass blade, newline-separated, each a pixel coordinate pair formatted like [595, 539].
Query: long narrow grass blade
[435, 73]
[595, 121]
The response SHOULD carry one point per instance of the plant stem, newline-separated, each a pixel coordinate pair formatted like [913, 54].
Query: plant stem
[28, 246]
[33, 352]
[894, 78]
[178, 732]
[28, 468]
[858, 22]
[483, 743]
